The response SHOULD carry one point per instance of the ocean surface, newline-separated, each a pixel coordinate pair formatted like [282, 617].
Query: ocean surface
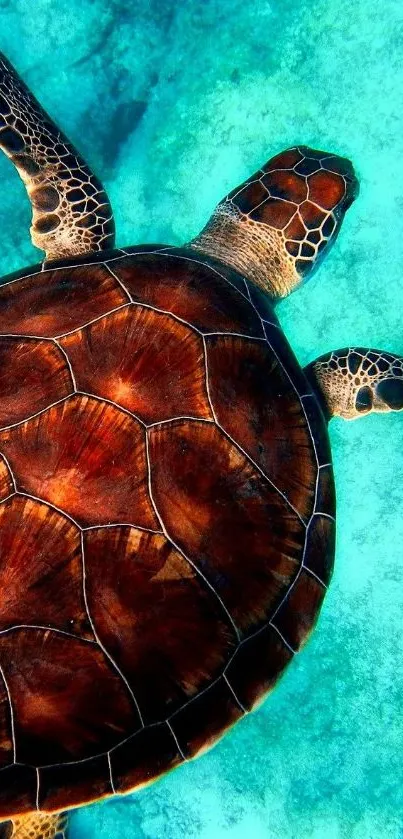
[173, 104]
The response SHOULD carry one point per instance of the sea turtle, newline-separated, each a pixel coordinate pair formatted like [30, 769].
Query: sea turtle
[167, 506]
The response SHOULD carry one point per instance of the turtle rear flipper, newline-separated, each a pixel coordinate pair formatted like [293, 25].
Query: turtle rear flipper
[35, 826]
[354, 381]
[71, 210]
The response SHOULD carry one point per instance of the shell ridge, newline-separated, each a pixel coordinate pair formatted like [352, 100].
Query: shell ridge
[226, 679]
[210, 268]
[140, 252]
[308, 424]
[234, 335]
[159, 311]
[183, 756]
[7, 498]
[121, 524]
[38, 782]
[68, 362]
[108, 754]
[118, 280]
[38, 413]
[203, 691]
[99, 642]
[239, 447]
[309, 571]
[98, 754]
[295, 580]
[289, 647]
[46, 628]
[17, 336]
[51, 268]
[13, 481]
[176, 546]
[261, 318]
[179, 419]
[90, 322]
[111, 402]
[47, 503]
[270, 323]
[166, 720]
[300, 398]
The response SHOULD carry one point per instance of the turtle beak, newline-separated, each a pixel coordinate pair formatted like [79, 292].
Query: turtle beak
[345, 167]
[352, 191]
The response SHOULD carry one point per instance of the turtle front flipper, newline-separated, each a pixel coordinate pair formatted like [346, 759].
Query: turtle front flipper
[35, 826]
[276, 227]
[71, 210]
[354, 381]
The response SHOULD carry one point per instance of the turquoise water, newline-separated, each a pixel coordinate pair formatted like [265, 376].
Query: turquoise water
[174, 103]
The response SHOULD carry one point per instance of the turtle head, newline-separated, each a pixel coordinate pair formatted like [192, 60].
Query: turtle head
[277, 226]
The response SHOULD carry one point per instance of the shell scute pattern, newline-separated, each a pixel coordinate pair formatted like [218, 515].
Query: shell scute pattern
[72, 456]
[29, 361]
[132, 356]
[179, 284]
[40, 552]
[146, 408]
[7, 485]
[143, 757]
[53, 302]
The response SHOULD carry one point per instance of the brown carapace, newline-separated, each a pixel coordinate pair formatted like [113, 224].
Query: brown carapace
[166, 519]
[166, 491]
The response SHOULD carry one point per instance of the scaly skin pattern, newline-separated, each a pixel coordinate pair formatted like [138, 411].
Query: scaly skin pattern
[36, 826]
[71, 211]
[166, 519]
[355, 381]
[277, 226]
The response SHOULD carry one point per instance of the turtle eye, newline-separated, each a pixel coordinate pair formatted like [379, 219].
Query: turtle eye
[364, 399]
[301, 196]
[6, 830]
[391, 392]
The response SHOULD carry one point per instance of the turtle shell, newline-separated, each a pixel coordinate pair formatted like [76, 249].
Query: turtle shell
[166, 518]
